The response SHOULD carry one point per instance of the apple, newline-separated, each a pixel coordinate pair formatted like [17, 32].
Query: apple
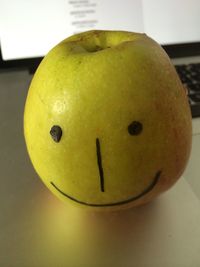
[107, 121]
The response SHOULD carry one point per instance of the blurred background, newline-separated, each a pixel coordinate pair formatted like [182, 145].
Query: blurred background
[35, 228]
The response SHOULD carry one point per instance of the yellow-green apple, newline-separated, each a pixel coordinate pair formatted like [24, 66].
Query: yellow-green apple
[107, 121]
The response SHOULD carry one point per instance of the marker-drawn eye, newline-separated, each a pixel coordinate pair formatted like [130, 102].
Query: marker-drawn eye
[56, 133]
[135, 128]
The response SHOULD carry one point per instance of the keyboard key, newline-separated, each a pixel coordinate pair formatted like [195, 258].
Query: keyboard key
[195, 98]
[194, 86]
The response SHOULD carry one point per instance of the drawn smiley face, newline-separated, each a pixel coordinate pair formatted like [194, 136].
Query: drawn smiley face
[134, 129]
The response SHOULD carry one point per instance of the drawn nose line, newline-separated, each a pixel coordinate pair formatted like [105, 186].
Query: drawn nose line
[99, 163]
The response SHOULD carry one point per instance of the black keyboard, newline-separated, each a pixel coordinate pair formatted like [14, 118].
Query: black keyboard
[190, 77]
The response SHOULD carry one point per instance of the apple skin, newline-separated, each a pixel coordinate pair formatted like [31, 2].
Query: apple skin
[95, 85]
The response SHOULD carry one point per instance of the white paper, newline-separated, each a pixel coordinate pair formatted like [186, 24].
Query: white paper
[32, 28]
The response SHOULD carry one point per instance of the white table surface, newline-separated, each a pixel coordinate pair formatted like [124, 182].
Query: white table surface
[37, 230]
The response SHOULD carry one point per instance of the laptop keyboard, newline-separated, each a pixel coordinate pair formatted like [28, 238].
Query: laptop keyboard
[190, 77]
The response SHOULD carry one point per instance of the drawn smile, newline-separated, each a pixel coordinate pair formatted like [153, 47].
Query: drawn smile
[102, 186]
[146, 191]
